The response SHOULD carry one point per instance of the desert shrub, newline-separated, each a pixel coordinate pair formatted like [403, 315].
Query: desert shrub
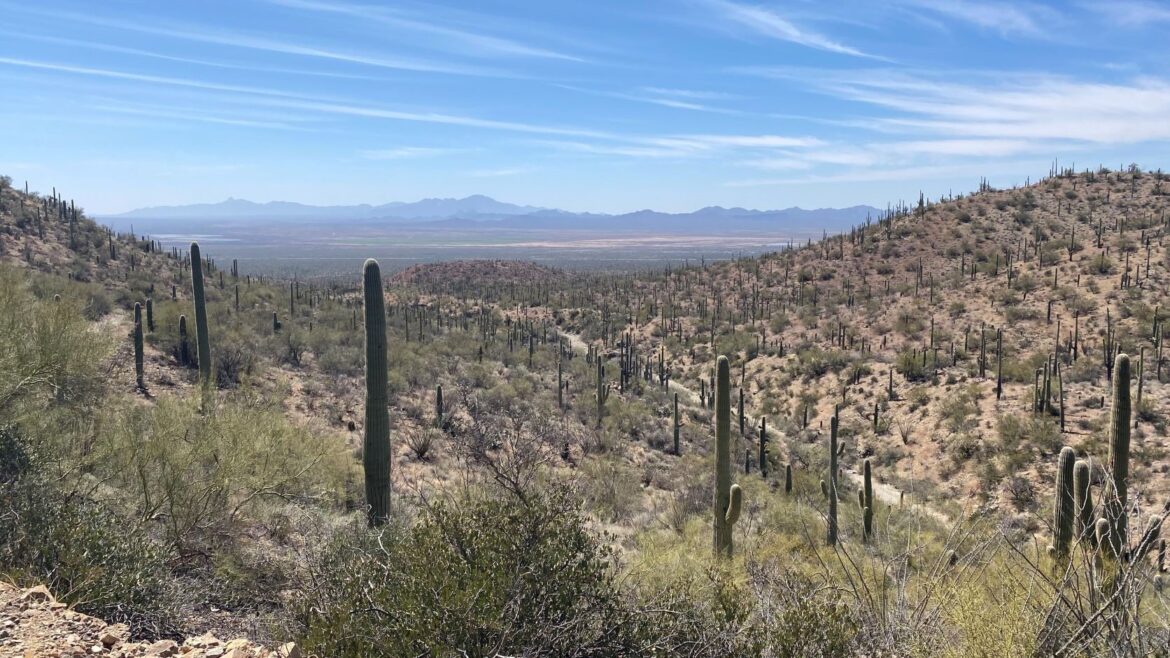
[93, 559]
[476, 576]
[200, 473]
[610, 488]
[910, 366]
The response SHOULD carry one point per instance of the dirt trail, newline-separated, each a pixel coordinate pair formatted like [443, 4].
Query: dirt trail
[885, 492]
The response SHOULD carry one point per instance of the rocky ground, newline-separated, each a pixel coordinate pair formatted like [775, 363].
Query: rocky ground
[34, 625]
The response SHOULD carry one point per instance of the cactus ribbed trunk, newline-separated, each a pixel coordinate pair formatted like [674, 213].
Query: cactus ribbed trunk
[677, 448]
[202, 338]
[867, 501]
[138, 360]
[1116, 504]
[376, 443]
[1064, 506]
[764, 448]
[1083, 502]
[788, 478]
[831, 487]
[184, 344]
[727, 495]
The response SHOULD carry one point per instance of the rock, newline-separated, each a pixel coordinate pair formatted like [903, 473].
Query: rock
[38, 594]
[114, 634]
[163, 648]
[290, 650]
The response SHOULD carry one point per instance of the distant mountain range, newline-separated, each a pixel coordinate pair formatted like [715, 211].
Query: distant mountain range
[480, 211]
[243, 209]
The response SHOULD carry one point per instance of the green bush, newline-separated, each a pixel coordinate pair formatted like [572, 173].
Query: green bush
[478, 577]
[86, 554]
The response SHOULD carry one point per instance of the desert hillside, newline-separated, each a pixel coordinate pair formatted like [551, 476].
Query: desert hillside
[892, 411]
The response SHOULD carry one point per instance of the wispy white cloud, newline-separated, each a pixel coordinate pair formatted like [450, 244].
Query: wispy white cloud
[284, 46]
[1023, 18]
[691, 93]
[408, 152]
[1002, 107]
[141, 77]
[868, 175]
[1130, 13]
[502, 172]
[463, 40]
[684, 146]
[774, 26]
[181, 115]
[653, 99]
[112, 48]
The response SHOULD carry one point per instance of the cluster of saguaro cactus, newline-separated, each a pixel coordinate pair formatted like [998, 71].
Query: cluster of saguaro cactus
[376, 443]
[1073, 516]
[728, 496]
[203, 340]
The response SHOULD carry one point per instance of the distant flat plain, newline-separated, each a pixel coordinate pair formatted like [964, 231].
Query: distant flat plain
[339, 250]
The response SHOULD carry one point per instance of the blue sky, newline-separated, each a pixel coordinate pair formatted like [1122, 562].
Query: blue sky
[599, 105]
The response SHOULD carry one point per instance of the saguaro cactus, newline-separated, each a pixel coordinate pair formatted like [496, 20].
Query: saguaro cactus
[203, 340]
[677, 449]
[867, 506]
[1115, 505]
[439, 406]
[150, 315]
[602, 391]
[138, 360]
[376, 443]
[1083, 501]
[830, 489]
[788, 478]
[728, 497]
[1064, 507]
[764, 447]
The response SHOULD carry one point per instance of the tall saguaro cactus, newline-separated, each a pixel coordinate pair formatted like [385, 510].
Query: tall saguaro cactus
[1083, 501]
[203, 340]
[677, 448]
[867, 502]
[376, 443]
[1119, 414]
[138, 359]
[831, 487]
[1064, 508]
[728, 497]
[602, 391]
